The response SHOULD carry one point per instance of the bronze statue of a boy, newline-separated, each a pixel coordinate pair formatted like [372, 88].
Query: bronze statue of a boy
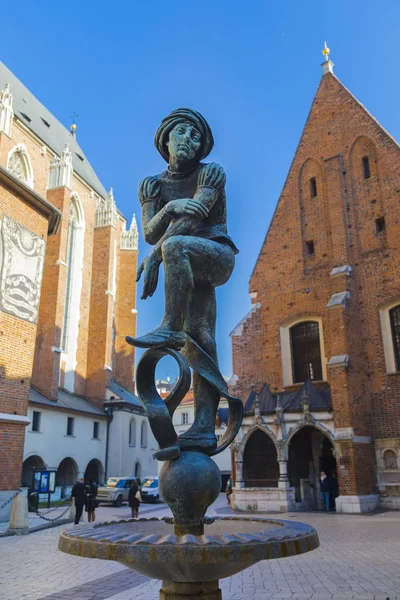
[184, 217]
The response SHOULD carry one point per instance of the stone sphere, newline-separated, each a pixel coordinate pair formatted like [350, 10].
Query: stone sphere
[189, 485]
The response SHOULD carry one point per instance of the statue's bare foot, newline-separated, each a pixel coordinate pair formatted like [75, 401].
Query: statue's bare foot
[195, 440]
[159, 338]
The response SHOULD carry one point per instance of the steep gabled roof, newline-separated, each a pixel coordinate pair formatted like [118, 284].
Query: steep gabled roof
[45, 126]
[326, 78]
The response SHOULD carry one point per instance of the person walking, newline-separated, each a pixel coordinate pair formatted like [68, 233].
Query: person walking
[133, 499]
[325, 490]
[90, 500]
[79, 495]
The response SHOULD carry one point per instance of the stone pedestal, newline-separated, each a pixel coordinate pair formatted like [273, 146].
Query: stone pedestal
[208, 590]
[19, 519]
[357, 504]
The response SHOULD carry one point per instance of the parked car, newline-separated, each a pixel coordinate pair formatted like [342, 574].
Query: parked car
[149, 490]
[116, 490]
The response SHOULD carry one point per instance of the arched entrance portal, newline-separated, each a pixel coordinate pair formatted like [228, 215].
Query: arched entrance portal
[260, 461]
[67, 473]
[310, 451]
[28, 467]
[94, 471]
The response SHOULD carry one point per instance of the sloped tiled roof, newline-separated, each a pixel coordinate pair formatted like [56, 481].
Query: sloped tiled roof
[35, 116]
[319, 398]
[123, 394]
[67, 401]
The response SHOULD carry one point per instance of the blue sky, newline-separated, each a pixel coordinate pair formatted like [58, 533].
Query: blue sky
[251, 68]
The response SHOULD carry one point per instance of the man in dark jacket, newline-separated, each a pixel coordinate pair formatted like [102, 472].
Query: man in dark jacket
[79, 494]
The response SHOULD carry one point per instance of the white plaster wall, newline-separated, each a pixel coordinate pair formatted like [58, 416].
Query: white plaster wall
[53, 445]
[122, 457]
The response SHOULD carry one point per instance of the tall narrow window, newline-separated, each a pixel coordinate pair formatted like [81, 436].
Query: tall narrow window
[185, 418]
[132, 432]
[96, 430]
[380, 224]
[395, 326]
[70, 258]
[70, 426]
[306, 352]
[365, 163]
[36, 420]
[310, 248]
[143, 435]
[313, 187]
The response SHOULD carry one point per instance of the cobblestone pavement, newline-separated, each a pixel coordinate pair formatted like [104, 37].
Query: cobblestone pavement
[359, 559]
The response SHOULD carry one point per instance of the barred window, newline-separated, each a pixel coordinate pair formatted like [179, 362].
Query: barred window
[395, 326]
[306, 352]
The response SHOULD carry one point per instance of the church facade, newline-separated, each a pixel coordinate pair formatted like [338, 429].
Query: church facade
[318, 355]
[83, 370]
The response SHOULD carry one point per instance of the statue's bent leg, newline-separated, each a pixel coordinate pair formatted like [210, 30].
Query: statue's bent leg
[200, 325]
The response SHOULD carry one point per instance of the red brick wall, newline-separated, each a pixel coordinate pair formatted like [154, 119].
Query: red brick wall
[125, 319]
[47, 362]
[17, 344]
[101, 313]
[247, 352]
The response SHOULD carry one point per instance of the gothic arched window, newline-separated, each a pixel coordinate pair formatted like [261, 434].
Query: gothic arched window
[143, 435]
[19, 165]
[132, 432]
[306, 351]
[70, 259]
[394, 315]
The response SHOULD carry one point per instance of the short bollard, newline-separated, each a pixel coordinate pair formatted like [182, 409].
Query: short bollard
[19, 519]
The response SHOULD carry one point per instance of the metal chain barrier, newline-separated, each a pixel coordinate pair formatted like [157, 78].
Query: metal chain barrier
[9, 500]
[43, 515]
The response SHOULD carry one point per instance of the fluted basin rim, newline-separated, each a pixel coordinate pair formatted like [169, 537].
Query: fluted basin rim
[89, 540]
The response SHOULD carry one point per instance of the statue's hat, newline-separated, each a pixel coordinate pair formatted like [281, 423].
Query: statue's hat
[184, 115]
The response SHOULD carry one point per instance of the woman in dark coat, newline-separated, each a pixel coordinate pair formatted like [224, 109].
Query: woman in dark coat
[133, 500]
[90, 500]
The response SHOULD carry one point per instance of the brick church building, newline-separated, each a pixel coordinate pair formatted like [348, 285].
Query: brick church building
[317, 359]
[79, 378]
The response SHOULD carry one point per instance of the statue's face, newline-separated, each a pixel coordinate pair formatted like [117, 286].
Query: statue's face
[184, 142]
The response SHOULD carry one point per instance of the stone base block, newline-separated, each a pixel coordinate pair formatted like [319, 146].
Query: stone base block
[208, 590]
[357, 504]
[274, 500]
[6, 511]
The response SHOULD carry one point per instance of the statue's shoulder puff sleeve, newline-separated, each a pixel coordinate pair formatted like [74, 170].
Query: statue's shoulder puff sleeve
[212, 175]
[149, 190]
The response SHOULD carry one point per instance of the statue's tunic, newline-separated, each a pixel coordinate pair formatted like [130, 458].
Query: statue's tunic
[175, 186]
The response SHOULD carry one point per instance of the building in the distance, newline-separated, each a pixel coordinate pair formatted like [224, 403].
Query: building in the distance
[321, 345]
[87, 303]
[183, 419]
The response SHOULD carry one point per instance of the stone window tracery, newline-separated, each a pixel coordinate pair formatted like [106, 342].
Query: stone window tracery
[16, 166]
[19, 164]
[70, 258]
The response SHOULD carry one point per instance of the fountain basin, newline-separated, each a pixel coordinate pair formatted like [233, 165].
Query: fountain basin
[229, 545]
